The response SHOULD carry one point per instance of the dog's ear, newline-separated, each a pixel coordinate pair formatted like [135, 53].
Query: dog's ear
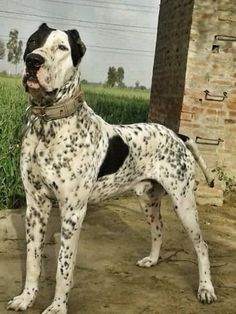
[78, 48]
[43, 26]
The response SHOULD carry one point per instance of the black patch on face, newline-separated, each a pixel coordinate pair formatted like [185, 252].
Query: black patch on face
[77, 46]
[37, 39]
[184, 138]
[116, 154]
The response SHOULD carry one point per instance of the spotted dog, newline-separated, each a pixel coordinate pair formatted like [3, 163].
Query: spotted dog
[72, 155]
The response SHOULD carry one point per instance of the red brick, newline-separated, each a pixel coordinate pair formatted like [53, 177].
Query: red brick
[186, 116]
[190, 124]
[211, 111]
[221, 82]
[215, 127]
[213, 104]
[232, 114]
[230, 121]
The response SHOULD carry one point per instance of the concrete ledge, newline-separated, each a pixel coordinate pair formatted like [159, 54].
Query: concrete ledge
[209, 196]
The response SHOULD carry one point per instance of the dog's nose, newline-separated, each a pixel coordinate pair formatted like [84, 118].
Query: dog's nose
[34, 60]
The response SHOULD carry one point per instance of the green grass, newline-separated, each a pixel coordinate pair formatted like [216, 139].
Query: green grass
[12, 106]
[115, 105]
[116, 91]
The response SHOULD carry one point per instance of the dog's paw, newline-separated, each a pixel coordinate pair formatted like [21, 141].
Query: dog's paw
[206, 295]
[21, 302]
[56, 308]
[147, 262]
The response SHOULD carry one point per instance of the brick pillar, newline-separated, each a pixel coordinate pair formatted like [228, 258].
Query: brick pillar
[194, 76]
[168, 82]
[196, 53]
[211, 66]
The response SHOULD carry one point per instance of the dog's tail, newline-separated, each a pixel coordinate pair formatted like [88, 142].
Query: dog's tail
[191, 145]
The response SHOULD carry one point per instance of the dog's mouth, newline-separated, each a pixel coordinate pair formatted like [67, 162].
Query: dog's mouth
[35, 87]
[30, 80]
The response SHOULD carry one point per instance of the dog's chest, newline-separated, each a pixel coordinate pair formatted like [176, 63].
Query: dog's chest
[59, 151]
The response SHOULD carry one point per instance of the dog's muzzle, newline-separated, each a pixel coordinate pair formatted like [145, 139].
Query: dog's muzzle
[34, 61]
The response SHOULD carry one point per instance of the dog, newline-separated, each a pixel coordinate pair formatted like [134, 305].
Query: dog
[72, 155]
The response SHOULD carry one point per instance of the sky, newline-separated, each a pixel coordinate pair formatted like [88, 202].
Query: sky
[115, 32]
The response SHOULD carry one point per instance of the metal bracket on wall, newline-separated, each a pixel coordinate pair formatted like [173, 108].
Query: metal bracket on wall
[217, 38]
[225, 38]
[211, 97]
[208, 141]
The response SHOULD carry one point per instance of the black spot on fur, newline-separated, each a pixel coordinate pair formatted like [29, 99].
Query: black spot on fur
[37, 39]
[115, 157]
[77, 46]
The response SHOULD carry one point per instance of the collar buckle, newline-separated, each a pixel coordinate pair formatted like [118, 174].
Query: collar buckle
[43, 114]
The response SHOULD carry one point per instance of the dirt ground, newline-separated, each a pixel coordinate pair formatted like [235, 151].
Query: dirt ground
[113, 238]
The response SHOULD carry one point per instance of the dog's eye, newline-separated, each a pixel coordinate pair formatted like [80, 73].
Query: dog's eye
[62, 47]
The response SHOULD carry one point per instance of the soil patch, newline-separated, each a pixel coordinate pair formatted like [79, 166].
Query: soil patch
[114, 236]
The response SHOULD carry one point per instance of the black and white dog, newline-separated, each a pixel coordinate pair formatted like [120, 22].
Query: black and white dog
[71, 154]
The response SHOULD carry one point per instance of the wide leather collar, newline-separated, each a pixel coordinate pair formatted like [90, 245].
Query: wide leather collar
[57, 111]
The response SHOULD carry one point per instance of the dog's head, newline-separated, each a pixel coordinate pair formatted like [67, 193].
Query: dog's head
[51, 58]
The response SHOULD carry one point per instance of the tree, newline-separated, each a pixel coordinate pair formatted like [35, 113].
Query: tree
[2, 49]
[143, 87]
[111, 76]
[84, 81]
[120, 76]
[14, 47]
[115, 76]
[137, 84]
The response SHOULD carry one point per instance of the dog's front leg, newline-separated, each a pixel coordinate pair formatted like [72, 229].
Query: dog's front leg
[37, 213]
[70, 229]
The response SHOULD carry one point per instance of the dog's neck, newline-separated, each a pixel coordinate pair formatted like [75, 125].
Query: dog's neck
[69, 90]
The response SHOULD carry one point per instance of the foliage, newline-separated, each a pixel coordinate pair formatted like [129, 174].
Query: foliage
[120, 76]
[116, 91]
[115, 105]
[143, 87]
[12, 101]
[14, 47]
[137, 84]
[2, 50]
[111, 76]
[118, 109]
[84, 81]
[229, 181]
[115, 76]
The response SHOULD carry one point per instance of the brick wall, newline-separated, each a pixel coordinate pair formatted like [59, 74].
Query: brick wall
[210, 64]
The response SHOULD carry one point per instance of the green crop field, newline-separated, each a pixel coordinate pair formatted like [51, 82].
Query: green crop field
[115, 105]
[116, 91]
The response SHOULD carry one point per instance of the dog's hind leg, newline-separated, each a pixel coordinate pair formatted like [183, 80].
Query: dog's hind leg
[185, 207]
[150, 202]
